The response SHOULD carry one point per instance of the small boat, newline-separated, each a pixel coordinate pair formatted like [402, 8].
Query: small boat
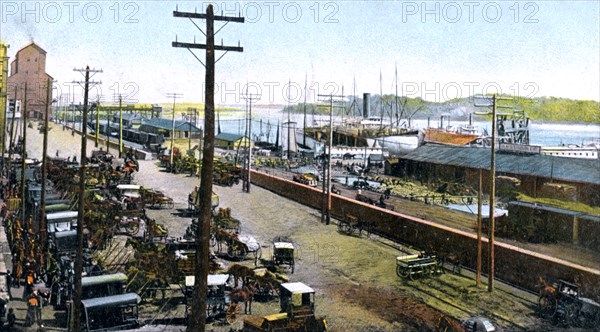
[449, 137]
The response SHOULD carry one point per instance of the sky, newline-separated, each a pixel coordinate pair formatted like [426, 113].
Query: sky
[436, 50]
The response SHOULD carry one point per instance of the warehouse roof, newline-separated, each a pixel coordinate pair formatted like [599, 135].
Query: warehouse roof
[168, 124]
[229, 137]
[567, 169]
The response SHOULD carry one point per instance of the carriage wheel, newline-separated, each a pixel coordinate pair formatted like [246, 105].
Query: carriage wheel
[132, 228]
[340, 226]
[412, 275]
[399, 271]
[348, 229]
[403, 272]
[233, 313]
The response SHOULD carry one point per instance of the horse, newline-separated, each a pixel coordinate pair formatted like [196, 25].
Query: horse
[221, 236]
[242, 272]
[244, 294]
[548, 293]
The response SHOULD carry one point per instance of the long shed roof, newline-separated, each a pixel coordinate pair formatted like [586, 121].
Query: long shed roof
[168, 124]
[567, 169]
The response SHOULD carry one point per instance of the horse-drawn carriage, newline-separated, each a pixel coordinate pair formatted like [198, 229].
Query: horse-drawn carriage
[297, 302]
[226, 175]
[567, 308]
[306, 179]
[283, 253]
[352, 223]
[156, 199]
[419, 265]
[217, 302]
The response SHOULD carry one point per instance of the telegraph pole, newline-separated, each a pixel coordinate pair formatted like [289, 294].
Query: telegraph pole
[75, 322]
[326, 206]
[42, 221]
[98, 121]
[11, 136]
[120, 127]
[175, 96]
[249, 99]
[491, 259]
[24, 155]
[197, 317]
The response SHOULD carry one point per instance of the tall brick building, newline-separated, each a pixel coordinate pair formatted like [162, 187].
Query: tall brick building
[29, 66]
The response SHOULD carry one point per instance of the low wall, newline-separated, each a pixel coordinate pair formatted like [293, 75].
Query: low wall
[514, 265]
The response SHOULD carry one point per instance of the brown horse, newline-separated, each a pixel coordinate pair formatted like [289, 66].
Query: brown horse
[223, 236]
[245, 295]
[241, 272]
[547, 296]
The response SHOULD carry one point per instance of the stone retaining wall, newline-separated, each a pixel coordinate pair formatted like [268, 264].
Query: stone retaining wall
[512, 264]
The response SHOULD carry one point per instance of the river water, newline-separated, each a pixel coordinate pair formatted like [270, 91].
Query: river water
[265, 121]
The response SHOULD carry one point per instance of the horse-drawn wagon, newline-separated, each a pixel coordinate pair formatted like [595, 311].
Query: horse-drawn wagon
[156, 199]
[418, 265]
[217, 301]
[352, 223]
[297, 302]
[568, 308]
[283, 253]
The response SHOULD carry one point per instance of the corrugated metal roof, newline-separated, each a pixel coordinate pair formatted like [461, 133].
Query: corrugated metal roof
[568, 169]
[555, 210]
[229, 137]
[168, 124]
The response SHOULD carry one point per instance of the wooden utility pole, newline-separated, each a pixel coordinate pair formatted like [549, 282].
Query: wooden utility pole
[98, 122]
[42, 220]
[491, 260]
[326, 208]
[248, 165]
[11, 136]
[24, 157]
[197, 315]
[479, 222]
[175, 96]
[76, 309]
[493, 103]
[120, 127]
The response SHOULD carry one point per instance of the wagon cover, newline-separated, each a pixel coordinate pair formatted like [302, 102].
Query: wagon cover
[297, 287]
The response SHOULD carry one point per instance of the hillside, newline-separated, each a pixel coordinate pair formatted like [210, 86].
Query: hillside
[539, 109]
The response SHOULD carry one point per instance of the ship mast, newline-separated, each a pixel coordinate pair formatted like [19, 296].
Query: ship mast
[304, 127]
[380, 100]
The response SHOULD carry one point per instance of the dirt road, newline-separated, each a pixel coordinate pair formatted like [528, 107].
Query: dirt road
[354, 277]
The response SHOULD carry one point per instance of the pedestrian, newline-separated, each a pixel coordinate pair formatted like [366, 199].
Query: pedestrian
[9, 283]
[38, 308]
[11, 318]
[56, 153]
[32, 304]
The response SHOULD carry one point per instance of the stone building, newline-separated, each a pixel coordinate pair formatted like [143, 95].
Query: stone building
[29, 68]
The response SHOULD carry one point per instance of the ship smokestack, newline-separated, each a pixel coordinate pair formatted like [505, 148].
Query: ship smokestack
[366, 105]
